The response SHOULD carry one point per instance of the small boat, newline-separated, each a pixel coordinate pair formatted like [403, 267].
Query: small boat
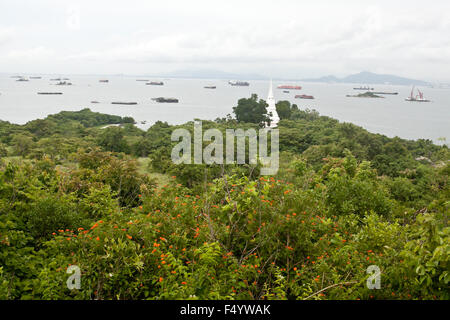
[165, 100]
[363, 88]
[155, 83]
[239, 83]
[303, 96]
[209, 87]
[284, 86]
[22, 79]
[125, 103]
[49, 93]
[35, 77]
[143, 122]
[418, 98]
[95, 101]
[142, 80]
[63, 83]
[104, 81]
[285, 91]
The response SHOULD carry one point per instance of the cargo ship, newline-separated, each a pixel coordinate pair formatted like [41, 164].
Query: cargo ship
[239, 83]
[303, 96]
[418, 98]
[289, 87]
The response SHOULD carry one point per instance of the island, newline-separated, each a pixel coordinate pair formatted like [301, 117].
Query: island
[367, 94]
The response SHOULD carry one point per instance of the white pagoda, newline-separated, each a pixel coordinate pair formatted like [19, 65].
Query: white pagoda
[274, 119]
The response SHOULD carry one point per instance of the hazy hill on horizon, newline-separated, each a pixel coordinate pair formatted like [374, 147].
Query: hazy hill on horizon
[366, 77]
[210, 74]
[362, 78]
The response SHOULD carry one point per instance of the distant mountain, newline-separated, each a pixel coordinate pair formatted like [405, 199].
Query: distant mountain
[366, 77]
[211, 74]
[330, 79]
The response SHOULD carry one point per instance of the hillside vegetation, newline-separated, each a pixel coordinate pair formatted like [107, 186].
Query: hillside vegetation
[112, 202]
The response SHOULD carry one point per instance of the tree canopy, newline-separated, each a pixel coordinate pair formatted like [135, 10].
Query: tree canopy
[251, 110]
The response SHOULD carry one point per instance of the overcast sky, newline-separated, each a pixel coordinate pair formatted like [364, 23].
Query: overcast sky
[282, 38]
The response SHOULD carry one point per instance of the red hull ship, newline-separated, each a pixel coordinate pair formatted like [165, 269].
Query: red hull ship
[289, 87]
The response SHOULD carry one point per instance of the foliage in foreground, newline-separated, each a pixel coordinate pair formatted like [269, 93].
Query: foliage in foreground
[238, 239]
[343, 200]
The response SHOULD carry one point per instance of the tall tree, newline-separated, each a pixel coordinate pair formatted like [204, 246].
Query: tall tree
[284, 109]
[251, 110]
[112, 139]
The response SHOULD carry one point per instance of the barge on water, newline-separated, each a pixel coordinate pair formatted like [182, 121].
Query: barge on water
[125, 103]
[165, 100]
[418, 98]
[304, 96]
[284, 86]
[364, 88]
[393, 93]
[239, 83]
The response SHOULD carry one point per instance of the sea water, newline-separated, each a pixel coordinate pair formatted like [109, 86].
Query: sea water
[391, 116]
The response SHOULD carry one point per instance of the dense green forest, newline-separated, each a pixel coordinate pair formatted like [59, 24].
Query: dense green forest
[111, 201]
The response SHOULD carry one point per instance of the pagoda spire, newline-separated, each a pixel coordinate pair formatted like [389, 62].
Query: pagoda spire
[270, 96]
[274, 118]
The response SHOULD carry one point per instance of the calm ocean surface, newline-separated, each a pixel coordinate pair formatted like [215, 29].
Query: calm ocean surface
[392, 116]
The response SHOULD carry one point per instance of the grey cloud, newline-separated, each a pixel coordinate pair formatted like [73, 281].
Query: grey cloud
[297, 37]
